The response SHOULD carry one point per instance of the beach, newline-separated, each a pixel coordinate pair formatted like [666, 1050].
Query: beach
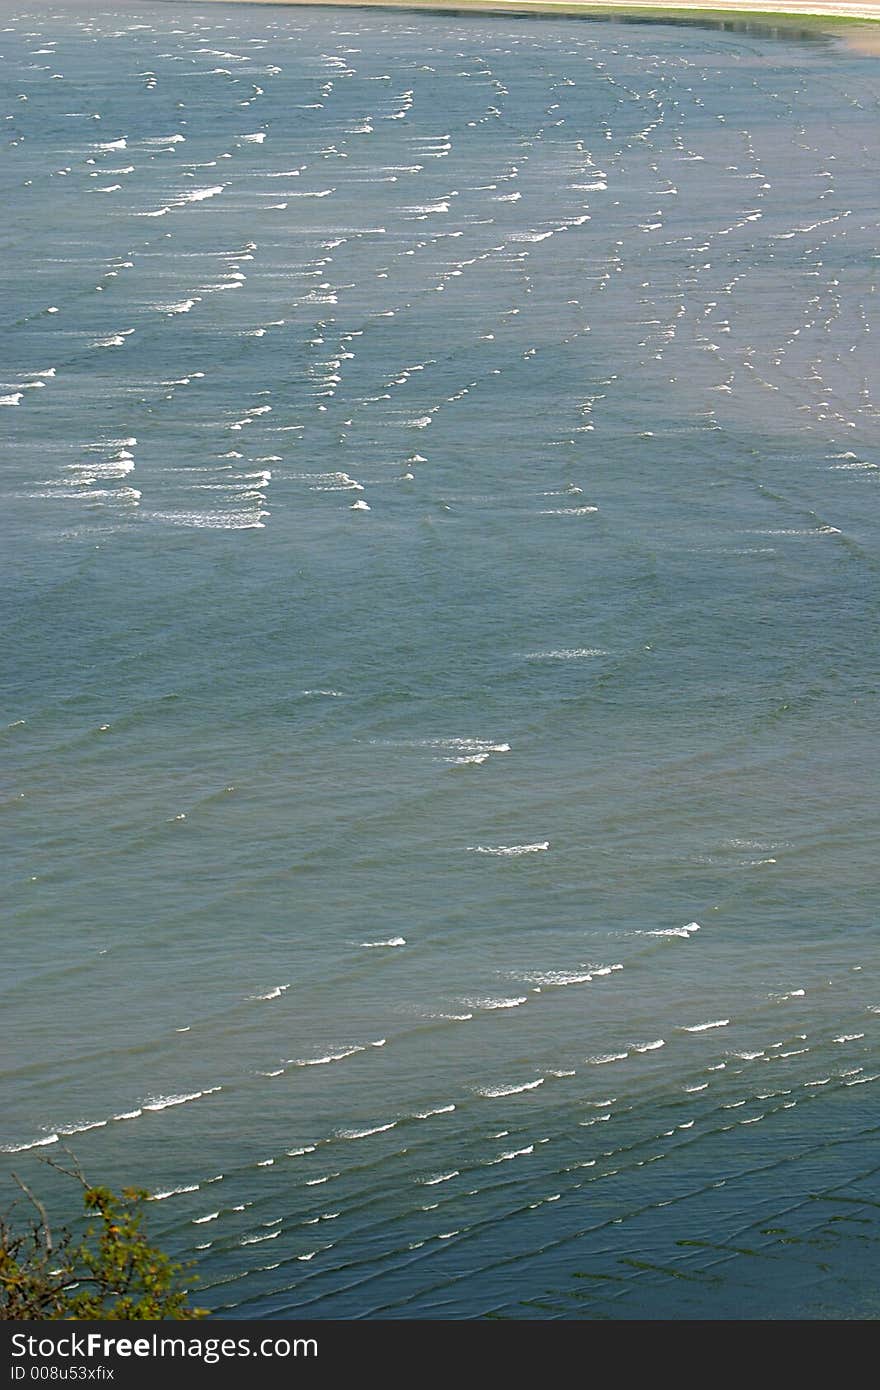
[842, 10]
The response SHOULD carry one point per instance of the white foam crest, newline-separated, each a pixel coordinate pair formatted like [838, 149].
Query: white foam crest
[565, 654]
[650, 1046]
[166, 1102]
[704, 1027]
[33, 1144]
[391, 941]
[365, 1133]
[513, 1153]
[199, 195]
[489, 1003]
[514, 850]
[439, 1110]
[256, 139]
[114, 340]
[568, 511]
[12, 399]
[83, 1126]
[327, 1058]
[183, 306]
[545, 978]
[274, 993]
[493, 1092]
[214, 521]
[427, 209]
[258, 1240]
[441, 1177]
[333, 482]
[683, 932]
[174, 1191]
[604, 1057]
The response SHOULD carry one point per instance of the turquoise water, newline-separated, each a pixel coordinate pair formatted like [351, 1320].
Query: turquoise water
[440, 607]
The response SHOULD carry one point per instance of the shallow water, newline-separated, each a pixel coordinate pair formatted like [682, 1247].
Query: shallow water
[439, 478]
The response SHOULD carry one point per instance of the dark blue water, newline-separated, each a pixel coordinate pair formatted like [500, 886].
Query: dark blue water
[440, 599]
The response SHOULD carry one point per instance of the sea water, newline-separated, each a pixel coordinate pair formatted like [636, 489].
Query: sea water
[439, 465]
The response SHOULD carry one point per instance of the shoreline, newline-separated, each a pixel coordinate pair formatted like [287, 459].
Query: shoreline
[845, 12]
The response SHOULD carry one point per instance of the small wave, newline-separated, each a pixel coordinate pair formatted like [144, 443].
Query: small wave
[490, 1002]
[325, 1060]
[114, 340]
[173, 1192]
[568, 511]
[392, 941]
[258, 1240]
[440, 1110]
[275, 993]
[565, 654]
[684, 932]
[34, 1144]
[514, 850]
[199, 195]
[365, 1133]
[602, 1058]
[703, 1027]
[546, 978]
[493, 1092]
[183, 306]
[441, 1177]
[166, 1102]
[649, 1047]
[83, 1127]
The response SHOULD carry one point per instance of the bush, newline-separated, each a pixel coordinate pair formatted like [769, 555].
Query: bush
[112, 1273]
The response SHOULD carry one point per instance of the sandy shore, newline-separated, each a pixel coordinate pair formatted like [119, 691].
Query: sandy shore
[848, 10]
